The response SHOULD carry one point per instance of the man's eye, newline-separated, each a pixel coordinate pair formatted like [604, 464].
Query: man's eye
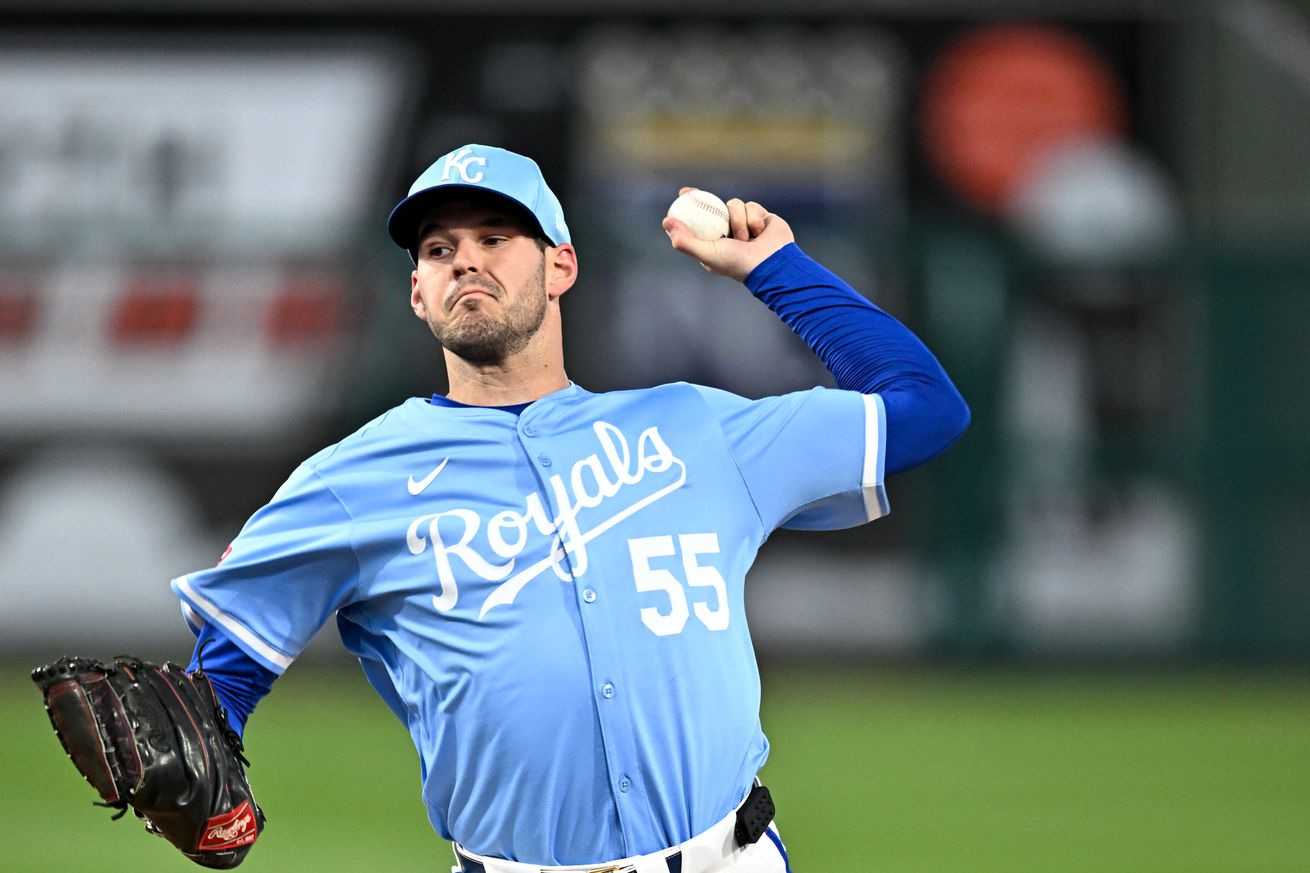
[439, 251]
[496, 240]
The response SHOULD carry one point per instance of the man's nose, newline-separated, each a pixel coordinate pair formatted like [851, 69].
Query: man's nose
[468, 257]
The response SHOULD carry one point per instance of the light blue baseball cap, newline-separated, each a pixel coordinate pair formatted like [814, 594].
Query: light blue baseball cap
[482, 168]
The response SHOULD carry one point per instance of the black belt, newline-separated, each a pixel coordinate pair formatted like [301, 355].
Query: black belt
[753, 818]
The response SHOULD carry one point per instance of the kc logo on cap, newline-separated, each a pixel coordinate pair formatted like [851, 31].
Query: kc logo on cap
[459, 162]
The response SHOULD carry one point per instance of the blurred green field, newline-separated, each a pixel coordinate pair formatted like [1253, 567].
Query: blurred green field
[898, 770]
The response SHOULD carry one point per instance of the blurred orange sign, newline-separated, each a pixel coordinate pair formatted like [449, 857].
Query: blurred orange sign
[1001, 96]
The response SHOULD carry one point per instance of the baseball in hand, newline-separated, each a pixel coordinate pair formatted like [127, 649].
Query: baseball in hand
[705, 215]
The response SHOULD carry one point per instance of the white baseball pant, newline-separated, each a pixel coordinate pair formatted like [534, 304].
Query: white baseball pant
[714, 851]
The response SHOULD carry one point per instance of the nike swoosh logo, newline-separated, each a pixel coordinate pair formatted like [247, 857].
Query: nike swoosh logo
[416, 488]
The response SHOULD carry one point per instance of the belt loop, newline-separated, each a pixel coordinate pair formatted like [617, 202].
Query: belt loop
[467, 864]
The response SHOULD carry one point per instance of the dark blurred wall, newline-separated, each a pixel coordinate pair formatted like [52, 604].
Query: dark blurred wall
[1122, 324]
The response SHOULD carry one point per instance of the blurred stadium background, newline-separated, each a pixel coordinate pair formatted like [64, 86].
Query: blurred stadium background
[1079, 643]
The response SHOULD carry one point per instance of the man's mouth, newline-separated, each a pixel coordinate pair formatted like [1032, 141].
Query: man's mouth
[470, 291]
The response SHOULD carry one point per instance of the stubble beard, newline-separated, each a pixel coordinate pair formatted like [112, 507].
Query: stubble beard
[480, 338]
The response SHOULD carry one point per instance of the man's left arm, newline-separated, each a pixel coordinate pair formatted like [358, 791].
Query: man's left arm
[239, 680]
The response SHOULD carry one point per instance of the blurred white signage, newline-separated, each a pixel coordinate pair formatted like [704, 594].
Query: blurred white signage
[175, 235]
[272, 146]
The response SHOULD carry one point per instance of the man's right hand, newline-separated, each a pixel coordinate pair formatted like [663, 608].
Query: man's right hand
[753, 235]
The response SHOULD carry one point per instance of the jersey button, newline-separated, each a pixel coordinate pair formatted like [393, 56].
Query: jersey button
[544, 460]
[607, 690]
[589, 596]
[529, 430]
[624, 784]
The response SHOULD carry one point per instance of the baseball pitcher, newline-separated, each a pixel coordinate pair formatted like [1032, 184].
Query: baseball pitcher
[546, 584]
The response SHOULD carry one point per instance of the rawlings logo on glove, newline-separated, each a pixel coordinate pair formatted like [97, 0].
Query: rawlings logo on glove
[155, 739]
[236, 828]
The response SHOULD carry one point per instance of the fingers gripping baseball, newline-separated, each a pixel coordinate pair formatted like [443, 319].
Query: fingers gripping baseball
[753, 234]
[746, 220]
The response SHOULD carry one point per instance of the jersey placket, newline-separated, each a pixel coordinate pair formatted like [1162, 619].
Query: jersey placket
[608, 681]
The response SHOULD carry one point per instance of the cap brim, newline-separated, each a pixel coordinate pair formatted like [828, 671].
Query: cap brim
[403, 224]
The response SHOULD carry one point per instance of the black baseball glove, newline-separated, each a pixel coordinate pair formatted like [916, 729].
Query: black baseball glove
[157, 740]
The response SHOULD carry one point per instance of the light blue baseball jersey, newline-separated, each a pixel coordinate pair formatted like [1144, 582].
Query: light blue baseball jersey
[552, 602]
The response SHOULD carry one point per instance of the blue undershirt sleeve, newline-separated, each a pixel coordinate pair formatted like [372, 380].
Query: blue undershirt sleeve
[866, 350]
[238, 679]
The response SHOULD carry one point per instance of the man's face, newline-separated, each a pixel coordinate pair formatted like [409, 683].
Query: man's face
[479, 281]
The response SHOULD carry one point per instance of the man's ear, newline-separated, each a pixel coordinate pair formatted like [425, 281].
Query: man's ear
[561, 269]
[415, 299]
